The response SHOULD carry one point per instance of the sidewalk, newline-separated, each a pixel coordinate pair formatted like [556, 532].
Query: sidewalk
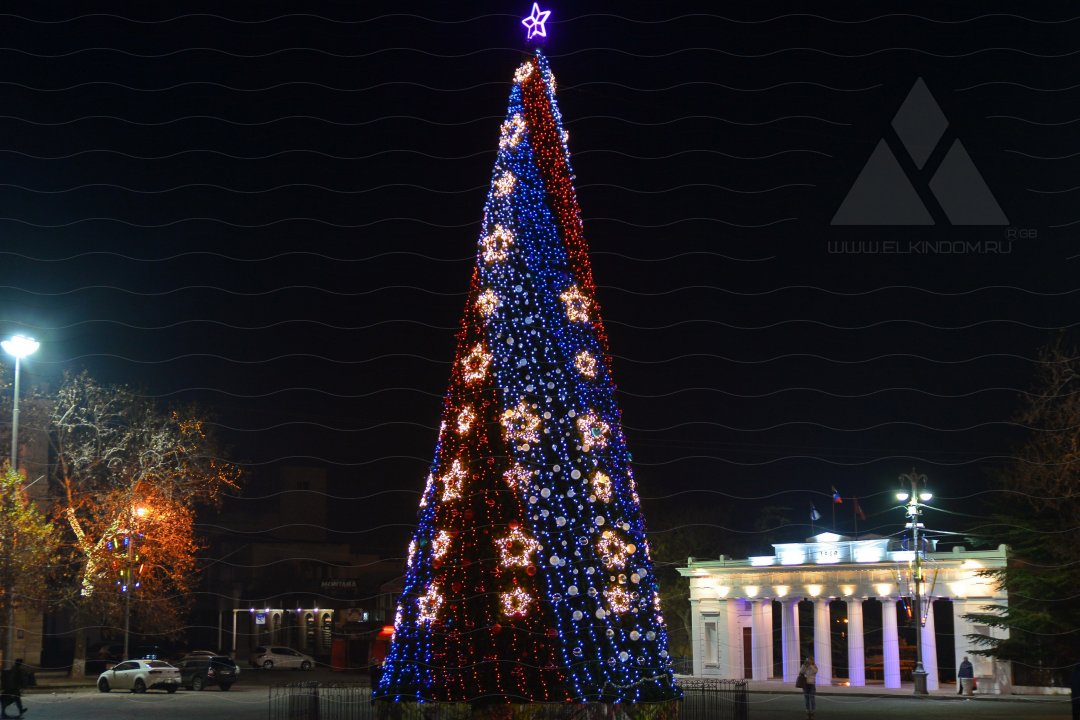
[878, 689]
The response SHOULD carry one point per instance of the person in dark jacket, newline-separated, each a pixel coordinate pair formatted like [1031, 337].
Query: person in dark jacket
[13, 681]
[966, 671]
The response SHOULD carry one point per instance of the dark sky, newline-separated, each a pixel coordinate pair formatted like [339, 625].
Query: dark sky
[272, 209]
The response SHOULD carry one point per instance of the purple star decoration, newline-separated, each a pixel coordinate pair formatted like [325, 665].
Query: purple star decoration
[535, 22]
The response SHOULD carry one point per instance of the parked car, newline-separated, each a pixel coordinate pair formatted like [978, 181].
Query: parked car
[140, 676]
[275, 656]
[199, 671]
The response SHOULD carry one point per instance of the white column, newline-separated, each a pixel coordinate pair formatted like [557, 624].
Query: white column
[759, 658]
[697, 636]
[856, 648]
[929, 649]
[733, 650]
[890, 642]
[823, 641]
[789, 632]
[767, 618]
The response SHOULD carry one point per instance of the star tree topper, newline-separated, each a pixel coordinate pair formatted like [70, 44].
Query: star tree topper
[535, 22]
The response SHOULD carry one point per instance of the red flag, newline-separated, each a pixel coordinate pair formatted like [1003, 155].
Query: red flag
[858, 510]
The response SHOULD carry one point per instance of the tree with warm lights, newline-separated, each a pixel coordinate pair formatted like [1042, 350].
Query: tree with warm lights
[28, 542]
[131, 472]
[529, 578]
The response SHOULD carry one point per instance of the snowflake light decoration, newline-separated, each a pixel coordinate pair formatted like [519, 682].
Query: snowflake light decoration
[429, 604]
[585, 364]
[511, 132]
[523, 72]
[577, 305]
[521, 424]
[440, 544]
[452, 481]
[515, 548]
[412, 552]
[594, 431]
[613, 550]
[505, 184]
[516, 602]
[487, 302]
[619, 600]
[601, 485]
[465, 419]
[517, 477]
[476, 363]
[427, 490]
[496, 244]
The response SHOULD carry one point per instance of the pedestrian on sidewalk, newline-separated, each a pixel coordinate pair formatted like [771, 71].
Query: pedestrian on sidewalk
[966, 672]
[13, 682]
[809, 673]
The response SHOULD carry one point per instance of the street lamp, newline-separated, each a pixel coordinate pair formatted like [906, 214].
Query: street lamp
[914, 500]
[18, 347]
[129, 579]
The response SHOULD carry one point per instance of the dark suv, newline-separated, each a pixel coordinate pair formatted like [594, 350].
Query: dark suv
[198, 671]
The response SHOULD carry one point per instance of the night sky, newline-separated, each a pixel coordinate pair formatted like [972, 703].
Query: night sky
[272, 209]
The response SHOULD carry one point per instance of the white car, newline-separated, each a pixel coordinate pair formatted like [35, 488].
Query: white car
[140, 676]
[275, 656]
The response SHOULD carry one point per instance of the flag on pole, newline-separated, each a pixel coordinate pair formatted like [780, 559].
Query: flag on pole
[836, 496]
[814, 514]
[858, 510]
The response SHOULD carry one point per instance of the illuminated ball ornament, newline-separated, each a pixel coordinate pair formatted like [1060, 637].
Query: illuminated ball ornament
[495, 246]
[487, 303]
[585, 364]
[465, 419]
[521, 424]
[475, 364]
[516, 548]
[594, 431]
[453, 481]
[516, 602]
[577, 304]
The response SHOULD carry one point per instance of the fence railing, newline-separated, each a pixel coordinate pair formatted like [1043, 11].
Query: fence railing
[703, 699]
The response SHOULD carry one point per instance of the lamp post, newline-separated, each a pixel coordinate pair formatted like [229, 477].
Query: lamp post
[129, 577]
[914, 513]
[19, 346]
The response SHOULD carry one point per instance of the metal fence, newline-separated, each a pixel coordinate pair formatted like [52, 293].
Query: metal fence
[702, 700]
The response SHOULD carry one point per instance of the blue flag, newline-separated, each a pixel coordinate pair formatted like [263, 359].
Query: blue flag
[814, 514]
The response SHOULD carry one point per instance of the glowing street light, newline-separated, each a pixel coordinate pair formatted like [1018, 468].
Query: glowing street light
[914, 512]
[18, 347]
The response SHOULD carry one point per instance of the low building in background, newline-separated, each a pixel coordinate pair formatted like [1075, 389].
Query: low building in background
[849, 604]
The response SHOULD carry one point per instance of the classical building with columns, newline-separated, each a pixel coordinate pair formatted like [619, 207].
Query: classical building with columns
[844, 600]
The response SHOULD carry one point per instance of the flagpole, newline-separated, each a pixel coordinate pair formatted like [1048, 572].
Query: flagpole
[855, 517]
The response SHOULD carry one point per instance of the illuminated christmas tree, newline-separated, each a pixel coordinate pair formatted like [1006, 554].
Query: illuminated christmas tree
[529, 577]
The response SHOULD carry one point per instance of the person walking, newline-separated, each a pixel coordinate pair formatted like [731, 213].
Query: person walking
[809, 671]
[14, 681]
[966, 672]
